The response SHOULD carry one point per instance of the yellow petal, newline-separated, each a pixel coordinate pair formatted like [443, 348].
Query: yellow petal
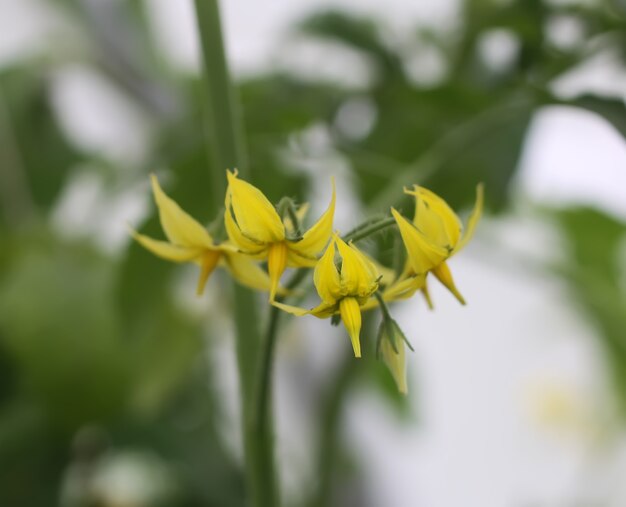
[351, 317]
[255, 215]
[316, 238]
[208, 264]
[387, 275]
[423, 255]
[435, 219]
[179, 227]
[295, 260]
[358, 275]
[426, 294]
[276, 264]
[235, 235]
[294, 310]
[326, 276]
[322, 311]
[473, 219]
[443, 274]
[404, 288]
[166, 250]
[248, 273]
[395, 361]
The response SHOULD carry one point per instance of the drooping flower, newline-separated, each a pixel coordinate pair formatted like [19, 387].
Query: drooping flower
[189, 241]
[255, 227]
[344, 284]
[434, 236]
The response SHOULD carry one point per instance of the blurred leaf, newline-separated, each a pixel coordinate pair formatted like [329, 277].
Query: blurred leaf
[596, 241]
[57, 321]
[163, 352]
[42, 150]
[361, 34]
[612, 110]
[448, 139]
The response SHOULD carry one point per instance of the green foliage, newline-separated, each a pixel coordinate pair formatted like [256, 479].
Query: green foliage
[31, 139]
[595, 272]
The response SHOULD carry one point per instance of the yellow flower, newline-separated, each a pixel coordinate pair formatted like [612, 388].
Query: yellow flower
[343, 288]
[189, 241]
[435, 234]
[254, 226]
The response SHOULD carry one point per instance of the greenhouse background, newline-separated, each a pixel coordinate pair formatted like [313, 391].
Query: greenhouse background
[118, 385]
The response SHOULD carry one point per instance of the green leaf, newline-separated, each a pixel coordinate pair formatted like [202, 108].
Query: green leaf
[39, 147]
[58, 322]
[612, 110]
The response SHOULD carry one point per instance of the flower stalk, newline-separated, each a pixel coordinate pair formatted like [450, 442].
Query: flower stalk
[369, 229]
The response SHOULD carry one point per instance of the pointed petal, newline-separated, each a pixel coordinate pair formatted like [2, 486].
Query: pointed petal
[351, 317]
[395, 361]
[434, 218]
[443, 274]
[179, 227]
[248, 273]
[236, 236]
[293, 310]
[295, 260]
[255, 215]
[473, 218]
[387, 275]
[207, 266]
[166, 250]
[426, 294]
[276, 264]
[324, 310]
[326, 276]
[422, 254]
[358, 275]
[321, 311]
[404, 288]
[317, 237]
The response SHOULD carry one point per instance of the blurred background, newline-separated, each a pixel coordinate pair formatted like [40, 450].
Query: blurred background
[118, 386]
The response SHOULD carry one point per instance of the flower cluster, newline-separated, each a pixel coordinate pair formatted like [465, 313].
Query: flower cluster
[347, 280]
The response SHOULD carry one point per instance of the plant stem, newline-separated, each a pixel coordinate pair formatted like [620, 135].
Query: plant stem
[226, 146]
[224, 126]
[360, 233]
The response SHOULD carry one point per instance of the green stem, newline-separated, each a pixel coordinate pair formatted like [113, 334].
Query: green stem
[363, 232]
[224, 125]
[383, 305]
[261, 424]
[225, 141]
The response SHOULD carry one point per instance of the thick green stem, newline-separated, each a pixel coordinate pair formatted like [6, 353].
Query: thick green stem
[262, 417]
[226, 145]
